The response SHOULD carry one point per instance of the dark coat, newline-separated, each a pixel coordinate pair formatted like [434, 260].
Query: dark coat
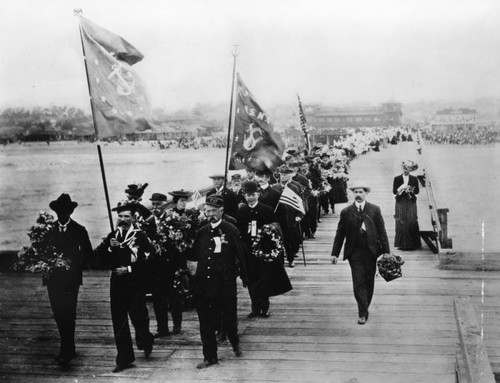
[230, 200]
[412, 181]
[215, 277]
[114, 257]
[270, 197]
[75, 245]
[348, 229]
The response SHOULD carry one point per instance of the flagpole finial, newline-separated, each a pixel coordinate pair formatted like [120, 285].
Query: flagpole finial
[77, 12]
[235, 50]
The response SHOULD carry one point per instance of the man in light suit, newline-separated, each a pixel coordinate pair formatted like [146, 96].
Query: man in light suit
[72, 240]
[362, 227]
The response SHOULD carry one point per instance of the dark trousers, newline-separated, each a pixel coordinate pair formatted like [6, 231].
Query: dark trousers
[128, 299]
[165, 298]
[260, 302]
[310, 221]
[363, 267]
[209, 315]
[63, 299]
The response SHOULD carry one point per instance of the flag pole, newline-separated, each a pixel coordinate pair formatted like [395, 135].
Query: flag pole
[228, 146]
[78, 12]
[304, 126]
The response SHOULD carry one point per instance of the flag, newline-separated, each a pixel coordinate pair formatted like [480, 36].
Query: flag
[303, 124]
[118, 96]
[255, 144]
[291, 198]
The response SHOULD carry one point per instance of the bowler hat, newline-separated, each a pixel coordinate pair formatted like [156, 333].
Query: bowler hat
[360, 185]
[158, 197]
[132, 207]
[215, 200]
[263, 172]
[285, 170]
[250, 187]
[63, 204]
[181, 193]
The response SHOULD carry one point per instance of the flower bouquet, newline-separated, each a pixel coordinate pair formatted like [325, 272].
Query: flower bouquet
[389, 266]
[41, 255]
[267, 245]
[178, 232]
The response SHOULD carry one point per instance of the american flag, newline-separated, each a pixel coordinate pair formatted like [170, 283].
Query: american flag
[291, 198]
[303, 124]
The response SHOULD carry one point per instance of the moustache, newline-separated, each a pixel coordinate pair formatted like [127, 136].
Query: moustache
[122, 223]
[358, 198]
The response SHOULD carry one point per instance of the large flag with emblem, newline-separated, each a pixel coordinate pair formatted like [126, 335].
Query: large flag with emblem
[255, 144]
[118, 96]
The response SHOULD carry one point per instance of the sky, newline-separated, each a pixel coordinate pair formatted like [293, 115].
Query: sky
[331, 52]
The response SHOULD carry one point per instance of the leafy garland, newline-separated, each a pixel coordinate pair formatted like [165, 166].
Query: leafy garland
[177, 232]
[41, 255]
[267, 245]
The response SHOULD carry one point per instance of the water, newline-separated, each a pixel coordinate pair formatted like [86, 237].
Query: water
[35, 174]
[466, 180]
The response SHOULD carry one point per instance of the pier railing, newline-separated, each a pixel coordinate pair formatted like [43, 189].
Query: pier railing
[437, 239]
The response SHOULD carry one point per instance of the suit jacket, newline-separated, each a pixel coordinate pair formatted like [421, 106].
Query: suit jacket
[230, 200]
[412, 181]
[135, 252]
[215, 277]
[75, 245]
[348, 230]
[261, 213]
[270, 197]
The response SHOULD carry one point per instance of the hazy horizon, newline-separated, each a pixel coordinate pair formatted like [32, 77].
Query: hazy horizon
[329, 52]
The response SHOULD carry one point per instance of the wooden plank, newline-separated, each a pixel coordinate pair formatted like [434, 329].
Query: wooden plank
[476, 361]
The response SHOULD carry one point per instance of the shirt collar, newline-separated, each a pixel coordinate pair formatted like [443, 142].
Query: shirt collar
[264, 186]
[362, 204]
[214, 225]
[252, 206]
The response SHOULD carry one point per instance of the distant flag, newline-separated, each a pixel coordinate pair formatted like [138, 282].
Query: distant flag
[254, 144]
[118, 97]
[303, 124]
[291, 198]
[196, 197]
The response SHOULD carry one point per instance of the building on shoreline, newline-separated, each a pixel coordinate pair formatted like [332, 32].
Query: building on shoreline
[331, 123]
[461, 118]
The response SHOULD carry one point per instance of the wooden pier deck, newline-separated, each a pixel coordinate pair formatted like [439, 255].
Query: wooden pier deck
[312, 334]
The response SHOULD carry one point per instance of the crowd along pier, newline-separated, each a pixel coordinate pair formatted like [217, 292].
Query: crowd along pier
[312, 334]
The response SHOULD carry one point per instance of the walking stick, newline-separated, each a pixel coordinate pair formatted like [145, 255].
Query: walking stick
[302, 245]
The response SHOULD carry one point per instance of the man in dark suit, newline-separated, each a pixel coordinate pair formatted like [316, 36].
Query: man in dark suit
[215, 262]
[126, 251]
[230, 197]
[362, 226]
[72, 240]
[268, 196]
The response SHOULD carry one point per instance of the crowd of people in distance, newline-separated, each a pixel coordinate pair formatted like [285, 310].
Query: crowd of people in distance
[188, 252]
[460, 135]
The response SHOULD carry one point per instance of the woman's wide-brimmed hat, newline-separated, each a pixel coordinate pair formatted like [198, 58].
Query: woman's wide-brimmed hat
[181, 193]
[136, 189]
[360, 185]
[63, 204]
[409, 165]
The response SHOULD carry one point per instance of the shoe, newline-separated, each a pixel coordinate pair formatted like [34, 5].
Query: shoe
[176, 330]
[121, 367]
[362, 320]
[252, 315]
[312, 236]
[60, 356]
[161, 335]
[290, 264]
[265, 314]
[206, 363]
[148, 350]
[237, 350]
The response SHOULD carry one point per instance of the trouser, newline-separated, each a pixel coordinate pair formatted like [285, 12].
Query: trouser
[63, 300]
[165, 298]
[309, 222]
[363, 267]
[260, 302]
[128, 299]
[209, 314]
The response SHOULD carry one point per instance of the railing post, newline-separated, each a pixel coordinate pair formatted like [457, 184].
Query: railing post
[443, 235]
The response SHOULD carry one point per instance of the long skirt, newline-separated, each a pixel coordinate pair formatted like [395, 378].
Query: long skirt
[407, 230]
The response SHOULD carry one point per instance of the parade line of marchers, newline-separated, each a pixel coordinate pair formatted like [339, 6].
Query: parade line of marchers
[251, 228]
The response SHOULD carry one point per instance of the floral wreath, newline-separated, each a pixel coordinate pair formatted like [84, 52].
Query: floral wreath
[41, 255]
[178, 232]
[389, 266]
[267, 245]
